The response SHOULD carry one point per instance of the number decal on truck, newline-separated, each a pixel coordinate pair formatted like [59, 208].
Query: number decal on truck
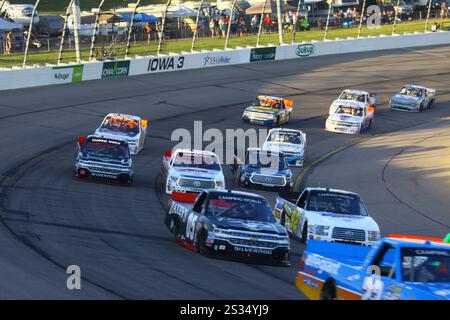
[190, 226]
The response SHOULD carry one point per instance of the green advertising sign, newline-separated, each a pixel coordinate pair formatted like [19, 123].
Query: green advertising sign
[263, 54]
[115, 69]
[68, 74]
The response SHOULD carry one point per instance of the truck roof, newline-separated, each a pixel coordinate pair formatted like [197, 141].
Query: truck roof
[285, 130]
[125, 116]
[332, 190]
[356, 91]
[414, 86]
[194, 151]
[413, 243]
[236, 192]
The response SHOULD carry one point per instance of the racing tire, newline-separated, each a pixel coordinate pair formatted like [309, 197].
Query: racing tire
[175, 229]
[370, 125]
[283, 218]
[278, 122]
[361, 129]
[430, 104]
[421, 107]
[304, 238]
[201, 245]
[328, 291]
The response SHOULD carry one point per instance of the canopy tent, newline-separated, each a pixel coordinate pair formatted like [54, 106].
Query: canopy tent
[138, 17]
[8, 26]
[271, 7]
[177, 11]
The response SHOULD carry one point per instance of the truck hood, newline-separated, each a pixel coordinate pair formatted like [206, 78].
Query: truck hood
[345, 118]
[405, 99]
[194, 173]
[283, 147]
[342, 220]
[249, 225]
[266, 171]
[261, 110]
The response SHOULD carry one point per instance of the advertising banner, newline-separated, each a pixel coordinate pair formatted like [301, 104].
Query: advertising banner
[263, 54]
[67, 74]
[115, 69]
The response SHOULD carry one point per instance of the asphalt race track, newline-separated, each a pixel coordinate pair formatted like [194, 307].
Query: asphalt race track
[50, 220]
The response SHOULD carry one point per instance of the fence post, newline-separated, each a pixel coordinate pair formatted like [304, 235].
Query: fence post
[361, 18]
[63, 36]
[328, 19]
[261, 22]
[296, 20]
[94, 33]
[280, 23]
[163, 22]
[229, 24]
[194, 37]
[394, 27]
[130, 29]
[30, 29]
[428, 15]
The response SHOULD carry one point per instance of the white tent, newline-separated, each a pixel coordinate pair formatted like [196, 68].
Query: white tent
[8, 26]
[177, 11]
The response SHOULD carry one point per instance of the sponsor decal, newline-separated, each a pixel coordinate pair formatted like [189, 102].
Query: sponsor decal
[166, 64]
[263, 54]
[68, 74]
[216, 60]
[328, 266]
[310, 283]
[252, 250]
[115, 69]
[305, 50]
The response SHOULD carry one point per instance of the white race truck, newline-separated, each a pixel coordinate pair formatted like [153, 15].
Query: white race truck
[413, 98]
[191, 171]
[350, 117]
[132, 129]
[291, 142]
[362, 97]
[327, 215]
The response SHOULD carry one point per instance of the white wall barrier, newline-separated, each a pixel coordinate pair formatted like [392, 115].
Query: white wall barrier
[49, 75]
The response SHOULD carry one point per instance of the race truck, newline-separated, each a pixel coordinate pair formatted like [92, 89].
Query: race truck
[269, 110]
[328, 215]
[363, 98]
[230, 224]
[132, 129]
[291, 142]
[191, 171]
[397, 268]
[103, 158]
[350, 117]
[413, 98]
[263, 169]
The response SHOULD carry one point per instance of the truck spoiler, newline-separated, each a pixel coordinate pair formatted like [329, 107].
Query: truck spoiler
[349, 254]
[186, 199]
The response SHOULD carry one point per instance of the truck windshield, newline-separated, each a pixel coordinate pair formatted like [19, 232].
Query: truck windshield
[105, 149]
[351, 111]
[425, 265]
[263, 159]
[285, 137]
[335, 202]
[353, 96]
[412, 92]
[239, 207]
[193, 160]
[121, 125]
[268, 102]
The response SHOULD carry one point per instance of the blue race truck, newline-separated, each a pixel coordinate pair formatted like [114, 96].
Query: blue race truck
[397, 268]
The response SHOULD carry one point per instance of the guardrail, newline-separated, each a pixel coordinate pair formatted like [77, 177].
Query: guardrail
[51, 74]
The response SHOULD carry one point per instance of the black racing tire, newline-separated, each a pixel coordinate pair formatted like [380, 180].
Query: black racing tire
[201, 245]
[304, 238]
[328, 291]
[370, 124]
[421, 107]
[361, 128]
[175, 229]
[283, 218]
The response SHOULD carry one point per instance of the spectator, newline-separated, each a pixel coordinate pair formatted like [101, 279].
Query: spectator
[267, 23]
[242, 26]
[8, 43]
[148, 31]
[223, 26]
[320, 22]
[212, 27]
[24, 39]
[254, 24]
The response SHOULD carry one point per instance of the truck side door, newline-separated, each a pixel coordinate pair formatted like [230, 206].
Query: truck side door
[381, 273]
[192, 220]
